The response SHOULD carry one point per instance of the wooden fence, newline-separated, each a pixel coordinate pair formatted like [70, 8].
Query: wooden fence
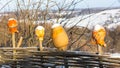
[32, 58]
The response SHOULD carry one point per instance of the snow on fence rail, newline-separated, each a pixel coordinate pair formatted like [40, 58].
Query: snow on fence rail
[32, 58]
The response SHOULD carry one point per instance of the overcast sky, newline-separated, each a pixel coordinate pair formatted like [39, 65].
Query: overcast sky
[100, 3]
[84, 4]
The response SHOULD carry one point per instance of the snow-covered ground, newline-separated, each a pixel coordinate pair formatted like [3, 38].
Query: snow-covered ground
[115, 55]
[108, 18]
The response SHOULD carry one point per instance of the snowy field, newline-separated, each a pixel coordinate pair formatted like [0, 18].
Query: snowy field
[109, 18]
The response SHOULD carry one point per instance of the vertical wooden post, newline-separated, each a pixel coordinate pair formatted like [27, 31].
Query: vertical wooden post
[13, 43]
[40, 45]
[100, 50]
[20, 42]
[13, 40]
[65, 62]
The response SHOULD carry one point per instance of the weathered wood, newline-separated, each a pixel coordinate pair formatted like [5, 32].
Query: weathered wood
[54, 58]
[19, 42]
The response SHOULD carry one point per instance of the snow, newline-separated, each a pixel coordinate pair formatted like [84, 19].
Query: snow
[98, 27]
[113, 26]
[115, 55]
[11, 19]
[83, 21]
[39, 28]
[107, 18]
[55, 25]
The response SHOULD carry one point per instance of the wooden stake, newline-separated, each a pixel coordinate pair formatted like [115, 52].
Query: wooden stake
[20, 42]
[100, 50]
[40, 45]
[13, 42]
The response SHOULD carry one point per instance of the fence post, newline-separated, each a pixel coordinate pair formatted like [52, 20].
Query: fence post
[65, 62]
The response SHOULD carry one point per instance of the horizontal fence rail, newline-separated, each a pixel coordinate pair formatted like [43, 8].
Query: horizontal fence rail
[30, 57]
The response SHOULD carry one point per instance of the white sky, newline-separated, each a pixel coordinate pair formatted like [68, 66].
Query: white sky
[84, 4]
